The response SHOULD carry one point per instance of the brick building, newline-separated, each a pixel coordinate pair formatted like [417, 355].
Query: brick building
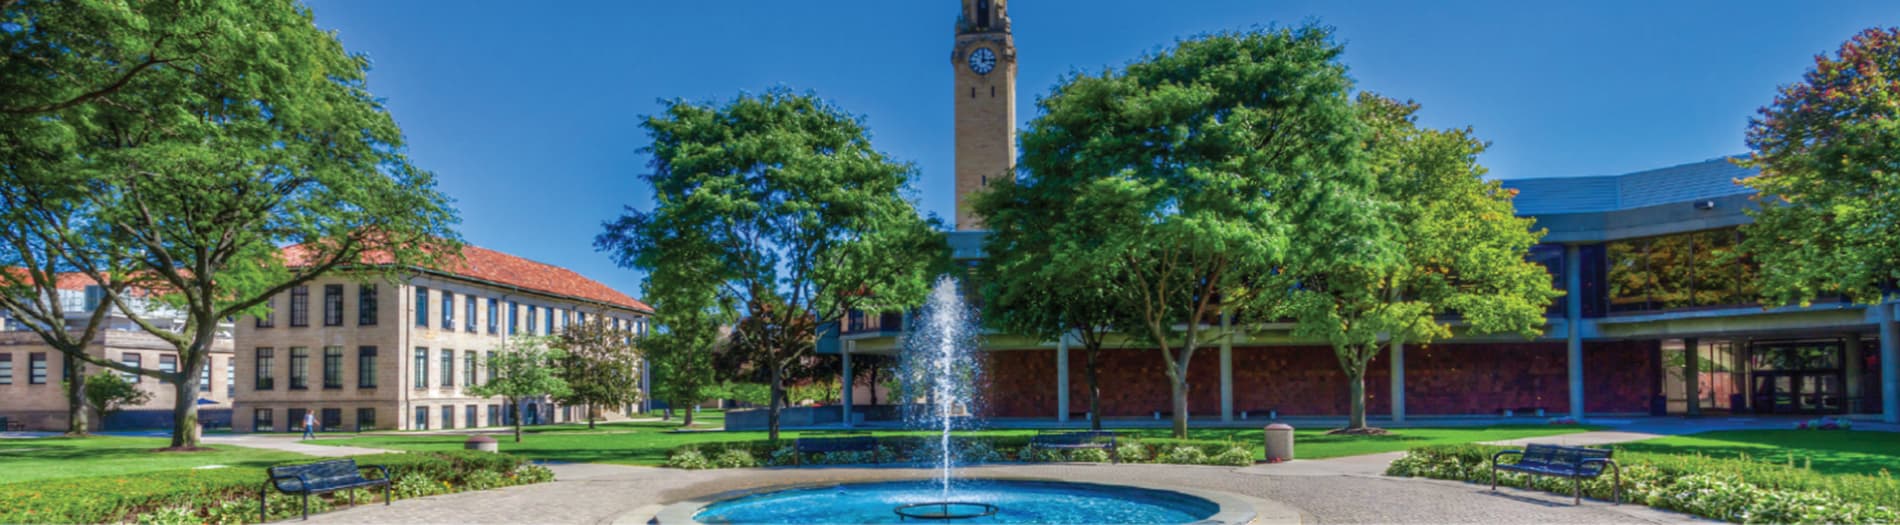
[380, 354]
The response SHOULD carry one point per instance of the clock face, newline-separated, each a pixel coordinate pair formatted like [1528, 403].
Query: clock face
[982, 60]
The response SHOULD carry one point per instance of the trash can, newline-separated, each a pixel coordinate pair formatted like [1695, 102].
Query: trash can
[1279, 442]
[481, 443]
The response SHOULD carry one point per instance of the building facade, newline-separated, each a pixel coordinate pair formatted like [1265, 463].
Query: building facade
[374, 353]
[32, 373]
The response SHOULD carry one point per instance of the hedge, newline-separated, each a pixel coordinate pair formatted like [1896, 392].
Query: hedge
[229, 495]
[1731, 489]
[970, 450]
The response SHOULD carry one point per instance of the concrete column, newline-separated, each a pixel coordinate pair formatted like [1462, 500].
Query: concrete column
[1691, 377]
[1850, 365]
[1398, 382]
[1889, 364]
[1573, 323]
[845, 384]
[1226, 369]
[1062, 378]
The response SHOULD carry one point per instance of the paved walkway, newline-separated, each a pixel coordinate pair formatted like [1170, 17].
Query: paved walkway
[288, 443]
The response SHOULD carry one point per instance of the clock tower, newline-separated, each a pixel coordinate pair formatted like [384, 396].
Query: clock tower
[984, 64]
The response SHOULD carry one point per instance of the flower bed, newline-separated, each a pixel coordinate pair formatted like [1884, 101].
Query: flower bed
[229, 495]
[1736, 490]
[970, 450]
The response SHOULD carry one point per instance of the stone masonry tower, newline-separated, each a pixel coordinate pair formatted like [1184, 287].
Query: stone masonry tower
[984, 61]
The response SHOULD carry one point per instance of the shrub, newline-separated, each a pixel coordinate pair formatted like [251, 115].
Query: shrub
[1737, 490]
[1234, 456]
[688, 458]
[734, 458]
[229, 495]
[1089, 455]
[1131, 452]
[1184, 455]
[169, 516]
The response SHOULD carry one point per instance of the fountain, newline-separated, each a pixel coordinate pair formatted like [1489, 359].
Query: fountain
[939, 370]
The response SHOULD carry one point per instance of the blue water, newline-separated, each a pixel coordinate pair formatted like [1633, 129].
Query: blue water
[1020, 502]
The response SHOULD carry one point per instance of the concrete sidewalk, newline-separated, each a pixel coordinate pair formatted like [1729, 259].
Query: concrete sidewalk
[289, 443]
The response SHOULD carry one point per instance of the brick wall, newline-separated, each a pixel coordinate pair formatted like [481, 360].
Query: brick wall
[1306, 380]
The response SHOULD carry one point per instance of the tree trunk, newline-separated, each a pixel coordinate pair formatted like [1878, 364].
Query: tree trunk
[1179, 381]
[185, 430]
[77, 424]
[514, 405]
[773, 403]
[686, 420]
[1356, 389]
[590, 416]
[1095, 389]
[874, 383]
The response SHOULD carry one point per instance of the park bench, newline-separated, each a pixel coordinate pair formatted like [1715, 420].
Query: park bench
[805, 446]
[1076, 439]
[318, 478]
[1576, 463]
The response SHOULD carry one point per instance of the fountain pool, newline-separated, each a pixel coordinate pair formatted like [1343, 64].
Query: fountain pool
[1013, 501]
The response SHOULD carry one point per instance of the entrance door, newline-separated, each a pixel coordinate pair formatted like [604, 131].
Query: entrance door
[1786, 392]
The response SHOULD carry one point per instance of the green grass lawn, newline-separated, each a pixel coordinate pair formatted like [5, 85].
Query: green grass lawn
[63, 457]
[1829, 452]
[647, 443]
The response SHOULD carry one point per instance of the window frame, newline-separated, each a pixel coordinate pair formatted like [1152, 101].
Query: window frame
[264, 377]
[299, 306]
[299, 368]
[366, 366]
[420, 376]
[333, 368]
[366, 310]
[36, 368]
[422, 306]
[333, 305]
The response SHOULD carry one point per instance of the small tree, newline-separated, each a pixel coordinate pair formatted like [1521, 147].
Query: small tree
[600, 366]
[524, 367]
[109, 393]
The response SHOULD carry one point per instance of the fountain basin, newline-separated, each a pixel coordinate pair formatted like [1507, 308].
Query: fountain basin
[1016, 501]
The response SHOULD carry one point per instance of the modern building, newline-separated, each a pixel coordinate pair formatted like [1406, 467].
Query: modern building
[32, 372]
[380, 353]
[1660, 315]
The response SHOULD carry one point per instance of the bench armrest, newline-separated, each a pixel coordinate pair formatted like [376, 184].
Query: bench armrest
[1501, 453]
[302, 483]
[383, 469]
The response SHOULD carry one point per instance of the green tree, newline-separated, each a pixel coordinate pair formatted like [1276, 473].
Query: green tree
[524, 367]
[681, 358]
[109, 393]
[1826, 148]
[206, 137]
[1192, 172]
[1034, 284]
[1451, 244]
[796, 219]
[601, 366]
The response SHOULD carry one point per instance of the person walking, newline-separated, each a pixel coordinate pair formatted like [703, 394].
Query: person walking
[310, 424]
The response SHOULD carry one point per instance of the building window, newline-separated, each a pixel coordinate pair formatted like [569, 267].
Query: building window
[332, 367]
[6, 368]
[300, 306]
[128, 359]
[468, 417]
[494, 317]
[366, 305]
[269, 319]
[422, 307]
[365, 419]
[448, 371]
[514, 318]
[230, 378]
[1698, 269]
[296, 419]
[266, 360]
[494, 415]
[168, 363]
[448, 416]
[422, 368]
[448, 310]
[422, 418]
[332, 419]
[552, 313]
[261, 420]
[204, 376]
[468, 314]
[366, 367]
[531, 318]
[491, 366]
[468, 368]
[299, 368]
[36, 368]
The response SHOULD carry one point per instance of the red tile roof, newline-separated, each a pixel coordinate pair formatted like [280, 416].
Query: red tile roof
[489, 265]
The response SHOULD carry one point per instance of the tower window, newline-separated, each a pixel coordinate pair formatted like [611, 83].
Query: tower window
[983, 14]
[972, 92]
[992, 91]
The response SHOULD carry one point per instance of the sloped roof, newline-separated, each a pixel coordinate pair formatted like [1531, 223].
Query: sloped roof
[489, 265]
[1685, 183]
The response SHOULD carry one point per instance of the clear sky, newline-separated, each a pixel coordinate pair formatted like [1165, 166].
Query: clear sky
[529, 112]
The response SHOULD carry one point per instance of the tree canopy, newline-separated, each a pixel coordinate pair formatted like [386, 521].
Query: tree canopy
[524, 367]
[1827, 148]
[792, 217]
[601, 366]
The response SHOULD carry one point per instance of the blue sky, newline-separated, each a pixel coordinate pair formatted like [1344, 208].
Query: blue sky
[528, 112]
